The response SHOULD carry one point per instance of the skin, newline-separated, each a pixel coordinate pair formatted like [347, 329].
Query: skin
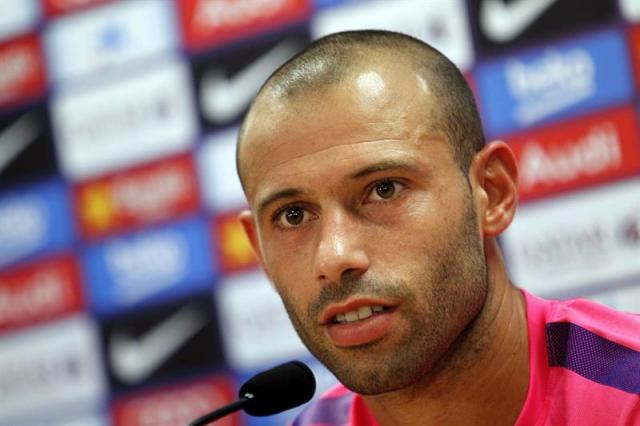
[361, 203]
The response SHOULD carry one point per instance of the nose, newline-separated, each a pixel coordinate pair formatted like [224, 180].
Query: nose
[340, 250]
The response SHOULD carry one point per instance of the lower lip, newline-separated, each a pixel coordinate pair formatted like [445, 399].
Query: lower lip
[360, 332]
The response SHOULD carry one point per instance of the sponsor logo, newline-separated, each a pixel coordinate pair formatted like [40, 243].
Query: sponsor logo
[224, 98]
[50, 369]
[109, 37]
[570, 244]
[501, 25]
[178, 405]
[234, 249]
[18, 17]
[441, 23]
[135, 358]
[255, 327]
[149, 266]
[216, 22]
[559, 81]
[55, 7]
[164, 342]
[143, 195]
[26, 148]
[577, 153]
[503, 22]
[147, 116]
[39, 292]
[22, 72]
[221, 188]
[34, 220]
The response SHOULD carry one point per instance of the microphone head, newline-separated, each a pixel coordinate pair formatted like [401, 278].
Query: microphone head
[278, 389]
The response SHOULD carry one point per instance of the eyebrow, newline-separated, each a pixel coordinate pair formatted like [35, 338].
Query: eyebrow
[382, 167]
[285, 193]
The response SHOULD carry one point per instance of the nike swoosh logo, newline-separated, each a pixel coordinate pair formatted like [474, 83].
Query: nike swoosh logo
[223, 99]
[17, 137]
[503, 22]
[134, 360]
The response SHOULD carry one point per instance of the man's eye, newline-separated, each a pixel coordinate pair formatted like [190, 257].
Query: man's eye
[293, 216]
[384, 190]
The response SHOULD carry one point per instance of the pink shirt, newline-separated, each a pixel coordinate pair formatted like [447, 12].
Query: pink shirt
[585, 370]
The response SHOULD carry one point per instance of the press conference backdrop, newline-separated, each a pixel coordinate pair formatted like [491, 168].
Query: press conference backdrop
[128, 292]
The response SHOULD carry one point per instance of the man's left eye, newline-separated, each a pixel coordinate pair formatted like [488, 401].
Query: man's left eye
[384, 190]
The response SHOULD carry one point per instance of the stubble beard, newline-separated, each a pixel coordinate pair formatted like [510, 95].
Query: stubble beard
[454, 289]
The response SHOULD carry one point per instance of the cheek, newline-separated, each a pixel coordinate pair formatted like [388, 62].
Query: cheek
[424, 225]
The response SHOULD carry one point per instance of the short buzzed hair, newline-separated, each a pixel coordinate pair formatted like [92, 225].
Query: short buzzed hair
[329, 60]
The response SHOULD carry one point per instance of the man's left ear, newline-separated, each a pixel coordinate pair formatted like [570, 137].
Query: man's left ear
[494, 177]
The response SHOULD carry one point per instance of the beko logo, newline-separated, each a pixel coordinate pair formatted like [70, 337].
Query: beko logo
[550, 84]
[594, 153]
[146, 265]
[219, 13]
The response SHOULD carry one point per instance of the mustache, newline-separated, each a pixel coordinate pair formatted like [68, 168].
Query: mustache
[337, 291]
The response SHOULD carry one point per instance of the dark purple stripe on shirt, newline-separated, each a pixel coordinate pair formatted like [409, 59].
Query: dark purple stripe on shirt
[593, 357]
[326, 411]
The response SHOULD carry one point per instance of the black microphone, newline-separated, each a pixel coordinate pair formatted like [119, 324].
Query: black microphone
[270, 392]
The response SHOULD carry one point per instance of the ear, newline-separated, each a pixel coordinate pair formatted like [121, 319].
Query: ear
[494, 177]
[248, 224]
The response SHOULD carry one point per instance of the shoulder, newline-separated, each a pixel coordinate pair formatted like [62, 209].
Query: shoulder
[585, 364]
[585, 319]
[598, 343]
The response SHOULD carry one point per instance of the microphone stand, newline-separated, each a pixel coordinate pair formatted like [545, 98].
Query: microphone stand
[221, 412]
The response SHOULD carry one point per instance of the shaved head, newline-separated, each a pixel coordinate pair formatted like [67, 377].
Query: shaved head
[330, 61]
[370, 189]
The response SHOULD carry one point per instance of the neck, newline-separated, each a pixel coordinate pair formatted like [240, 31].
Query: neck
[484, 377]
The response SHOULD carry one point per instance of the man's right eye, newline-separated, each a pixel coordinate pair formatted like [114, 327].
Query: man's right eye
[293, 216]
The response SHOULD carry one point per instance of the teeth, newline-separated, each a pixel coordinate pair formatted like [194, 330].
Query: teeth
[361, 313]
[351, 316]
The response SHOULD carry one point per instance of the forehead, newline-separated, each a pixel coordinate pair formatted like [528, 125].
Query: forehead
[374, 113]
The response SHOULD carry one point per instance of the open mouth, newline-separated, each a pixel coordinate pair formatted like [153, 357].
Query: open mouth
[363, 312]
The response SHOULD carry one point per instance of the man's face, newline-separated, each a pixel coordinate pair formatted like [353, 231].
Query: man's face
[366, 226]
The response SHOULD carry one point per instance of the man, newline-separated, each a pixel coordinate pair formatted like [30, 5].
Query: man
[375, 207]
